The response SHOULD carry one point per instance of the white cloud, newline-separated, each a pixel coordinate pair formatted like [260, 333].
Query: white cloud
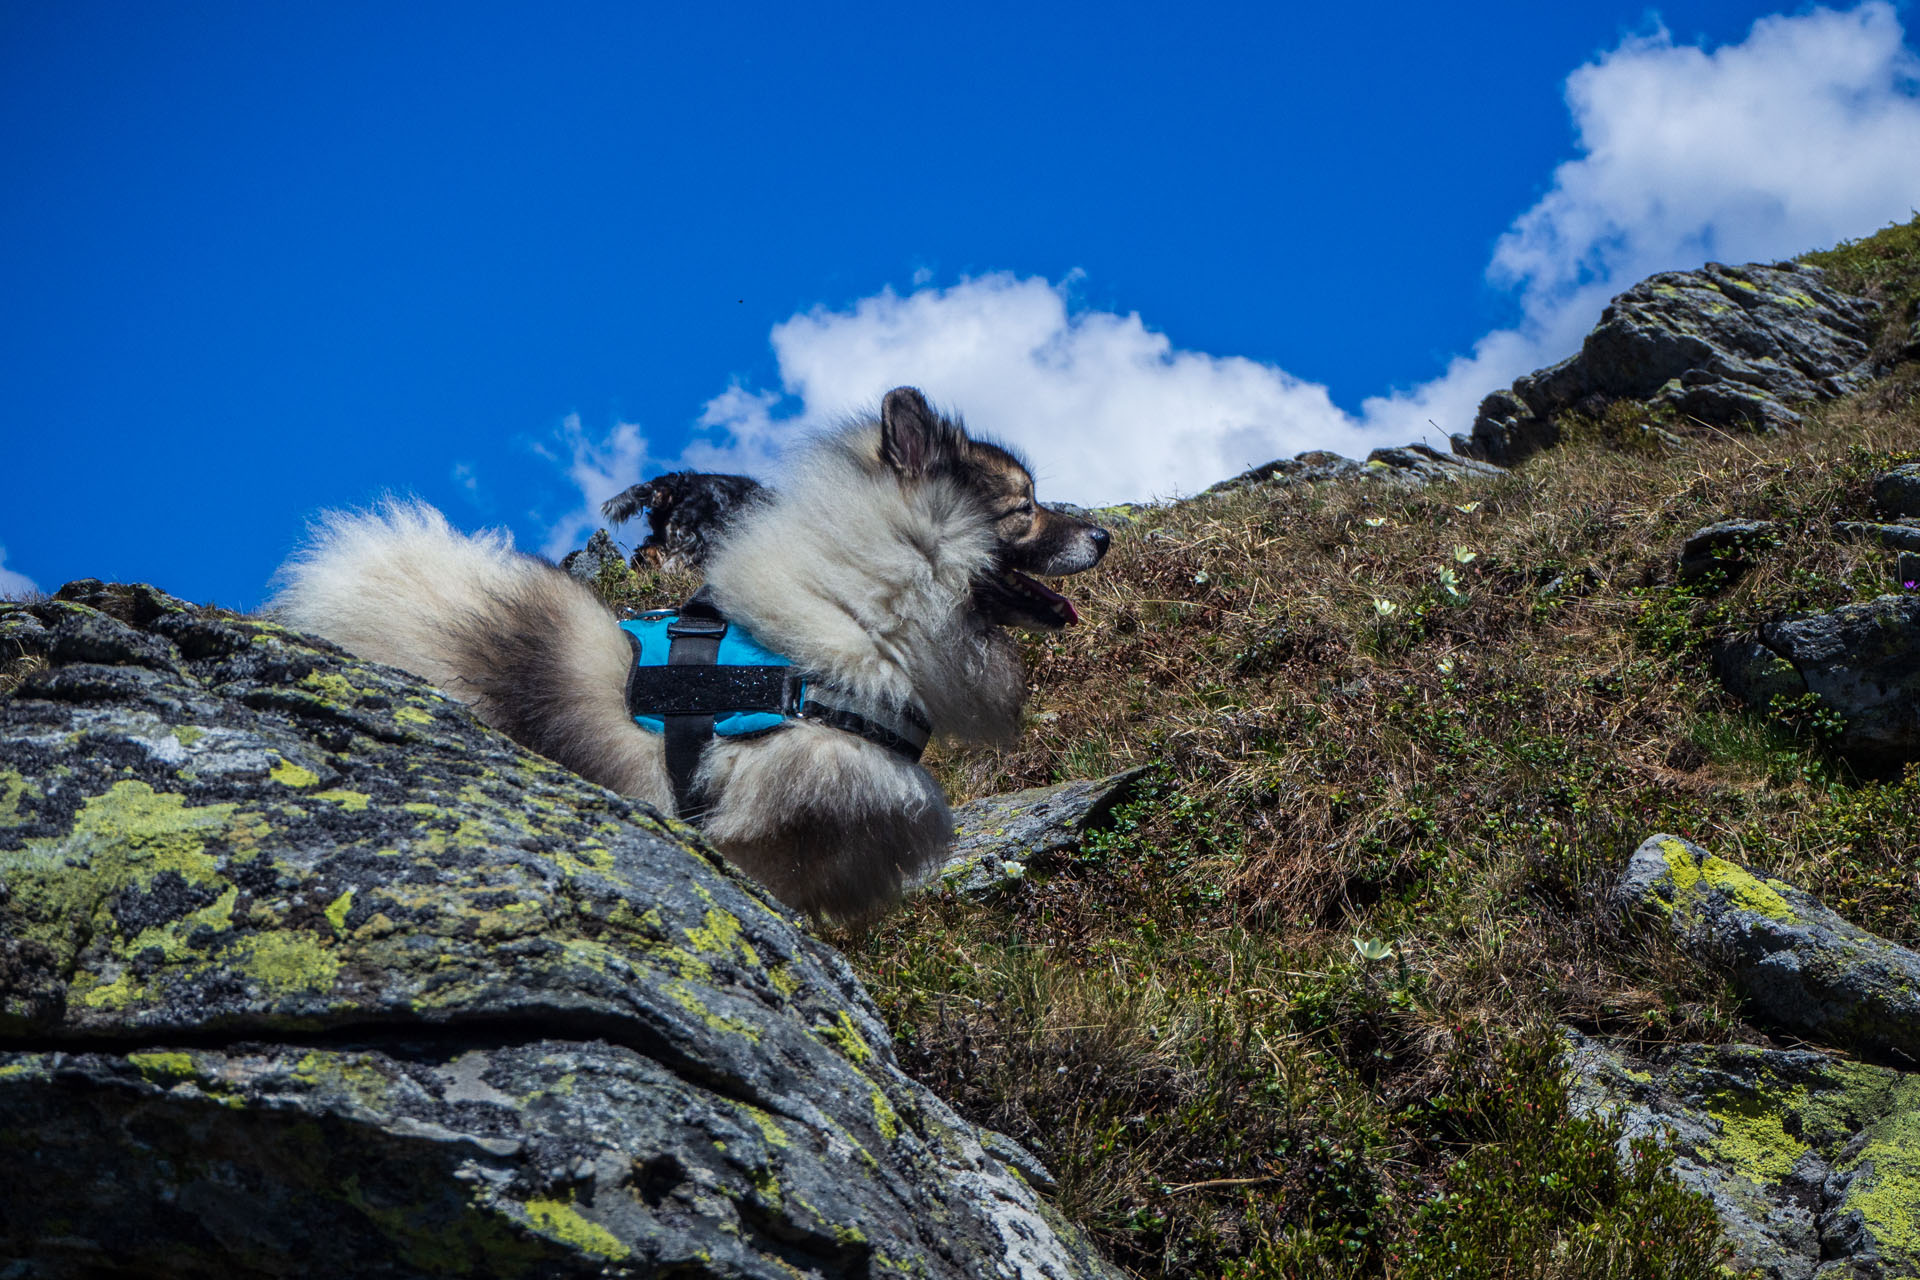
[14, 585]
[599, 469]
[1804, 133]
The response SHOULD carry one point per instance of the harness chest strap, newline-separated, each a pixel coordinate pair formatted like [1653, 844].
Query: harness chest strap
[694, 693]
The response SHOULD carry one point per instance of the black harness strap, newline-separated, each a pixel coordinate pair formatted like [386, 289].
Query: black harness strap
[693, 688]
[694, 642]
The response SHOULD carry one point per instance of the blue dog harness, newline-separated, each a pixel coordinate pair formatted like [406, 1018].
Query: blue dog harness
[695, 676]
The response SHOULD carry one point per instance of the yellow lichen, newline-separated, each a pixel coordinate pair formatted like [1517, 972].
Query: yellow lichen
[1753, 1139]
[289, 774]
[1745, 890]
[843, 1035]
[287, 963]
[337, 911]
[351, 801]
[560, 1220]
[162, 1066]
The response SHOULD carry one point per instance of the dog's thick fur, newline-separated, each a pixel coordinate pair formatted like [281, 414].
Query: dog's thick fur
[888, 563]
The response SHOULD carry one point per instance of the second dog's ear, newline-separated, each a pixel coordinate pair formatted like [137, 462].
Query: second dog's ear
[914, 440]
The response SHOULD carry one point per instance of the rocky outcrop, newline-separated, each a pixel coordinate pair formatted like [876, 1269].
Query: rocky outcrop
[1812, 1161]
[1898, 491]
[1861, 661]
[1412, 465]
[305, 972]
[595, 560]
[995, 838]
[1725, 547]
[1725, 346]
[1798, 965]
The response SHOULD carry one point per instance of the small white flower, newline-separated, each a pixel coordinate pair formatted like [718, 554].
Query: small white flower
[1200, 578]
[1465, 556]
[1371, 948]
[1467, 508]
[1385, 607]
[1374, 522]
[1446, 666]
[1448, 576]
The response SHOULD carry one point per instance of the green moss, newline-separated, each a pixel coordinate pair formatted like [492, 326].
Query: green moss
[560, 1220]
[289, 774]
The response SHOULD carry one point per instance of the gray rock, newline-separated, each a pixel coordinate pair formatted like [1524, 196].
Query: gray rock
[996, 837]
[1724, 547]
[1862, 660]
[1900, 537]
[305, 972]
[1797, 964]
[599, 556]
[1907, 570]
[1812, 1161]
[1726, 346]
[1898, 491]
[1412, 465]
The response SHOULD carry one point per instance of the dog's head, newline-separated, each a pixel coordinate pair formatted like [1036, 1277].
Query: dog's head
[1028, 539]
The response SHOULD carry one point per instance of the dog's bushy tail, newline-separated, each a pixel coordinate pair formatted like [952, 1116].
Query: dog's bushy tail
[535, 653]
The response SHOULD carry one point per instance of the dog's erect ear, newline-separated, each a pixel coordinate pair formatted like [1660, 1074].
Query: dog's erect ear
[914, 440]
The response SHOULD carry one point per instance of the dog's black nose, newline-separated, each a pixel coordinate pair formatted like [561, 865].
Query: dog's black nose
[1100, 539]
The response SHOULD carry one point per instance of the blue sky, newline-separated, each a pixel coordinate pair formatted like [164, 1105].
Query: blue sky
[264, 259]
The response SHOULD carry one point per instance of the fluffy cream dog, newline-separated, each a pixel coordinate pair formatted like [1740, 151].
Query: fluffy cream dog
[886, 567]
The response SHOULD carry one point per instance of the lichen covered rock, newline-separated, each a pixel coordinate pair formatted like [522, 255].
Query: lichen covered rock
[1408, 466]
[996, 837]
[1725, 346]
[1812, 1161]
[1799, 965]
[1860, 661]
[304, 971]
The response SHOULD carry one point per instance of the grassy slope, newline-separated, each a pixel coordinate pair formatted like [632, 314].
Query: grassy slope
[1180, 1021]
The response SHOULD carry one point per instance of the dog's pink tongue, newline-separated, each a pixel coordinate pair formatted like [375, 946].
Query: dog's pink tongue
[1061, 606]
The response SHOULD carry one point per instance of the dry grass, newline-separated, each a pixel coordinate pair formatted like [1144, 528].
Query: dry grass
[1179, 1021]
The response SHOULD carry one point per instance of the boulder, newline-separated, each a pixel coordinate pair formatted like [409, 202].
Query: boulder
[1898, 491]
[1798, 965]
[1861, 660]
[303, 971]
[1898, 537]
[1723, 548]
[1725, 346]
[598, 557]
[996, 837]
[1812, 1161]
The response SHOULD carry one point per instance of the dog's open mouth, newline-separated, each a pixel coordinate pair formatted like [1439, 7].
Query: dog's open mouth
[1015, 598]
